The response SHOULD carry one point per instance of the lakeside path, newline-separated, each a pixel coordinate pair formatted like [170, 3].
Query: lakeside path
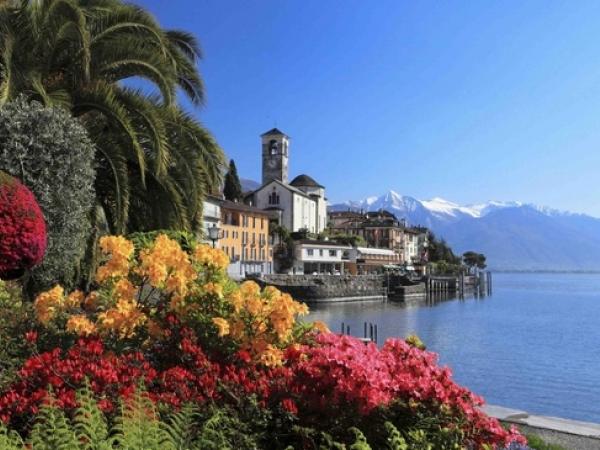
[571, 434]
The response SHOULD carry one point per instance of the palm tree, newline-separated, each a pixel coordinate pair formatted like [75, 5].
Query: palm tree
[155, 162]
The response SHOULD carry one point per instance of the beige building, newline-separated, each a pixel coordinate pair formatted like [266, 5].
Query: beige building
[245, 239]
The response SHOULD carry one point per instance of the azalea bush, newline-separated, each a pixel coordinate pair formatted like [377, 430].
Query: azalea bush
[22, 228]
[170, 320]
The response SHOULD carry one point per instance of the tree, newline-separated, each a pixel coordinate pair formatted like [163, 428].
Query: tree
[474, 260]
[51, 153]
[233, 188]
[80, 55]
[439, 250]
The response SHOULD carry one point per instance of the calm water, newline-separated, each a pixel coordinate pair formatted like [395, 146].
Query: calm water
[533, 345]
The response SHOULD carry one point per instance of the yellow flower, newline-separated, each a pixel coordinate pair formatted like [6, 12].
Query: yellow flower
[123, 319]
[124, 289]
[222, 326]
[321, 327]
[74, 299]
[237, 301]
[167, 266]
[236, 329]
[206, 255]
[120, 251]
[214, 289]
[254, 305]
[220, 259]
[271, 292]
[49, 303]
[250, 289]
[271, 356]
[80, 325]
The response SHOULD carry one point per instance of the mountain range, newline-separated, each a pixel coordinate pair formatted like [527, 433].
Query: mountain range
[513, 235]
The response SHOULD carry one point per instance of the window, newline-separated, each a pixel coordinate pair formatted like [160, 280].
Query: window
[332, 252]
[321, 252]
[273, 198]
[310, 252]
[273, 147]
[253, 222]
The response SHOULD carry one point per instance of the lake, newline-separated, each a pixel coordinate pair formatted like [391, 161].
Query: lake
[534, 344]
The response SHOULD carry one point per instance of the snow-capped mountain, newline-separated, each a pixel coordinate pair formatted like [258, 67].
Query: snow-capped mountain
[513, 235]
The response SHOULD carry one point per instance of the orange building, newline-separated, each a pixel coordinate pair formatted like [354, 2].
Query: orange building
[245, 238]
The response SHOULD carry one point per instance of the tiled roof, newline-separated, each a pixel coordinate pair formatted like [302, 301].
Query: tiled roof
[305, 181]
[236, 206]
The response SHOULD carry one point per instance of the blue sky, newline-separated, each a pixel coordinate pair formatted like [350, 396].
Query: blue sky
[470, 101]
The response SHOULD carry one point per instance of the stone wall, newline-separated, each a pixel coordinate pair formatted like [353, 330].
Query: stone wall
[317, 288]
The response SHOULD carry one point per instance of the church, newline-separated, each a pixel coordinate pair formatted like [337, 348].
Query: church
[301, 203]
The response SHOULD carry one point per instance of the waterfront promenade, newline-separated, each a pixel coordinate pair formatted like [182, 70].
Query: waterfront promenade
[570, 434]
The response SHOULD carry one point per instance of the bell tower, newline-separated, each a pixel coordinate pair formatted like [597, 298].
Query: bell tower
[275, 147]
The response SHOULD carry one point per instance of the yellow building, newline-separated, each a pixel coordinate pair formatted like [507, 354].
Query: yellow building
[245, 238]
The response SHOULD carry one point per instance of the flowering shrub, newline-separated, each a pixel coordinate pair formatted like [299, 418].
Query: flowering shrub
[172, 320]
[139, 296]
[22, 228]
[342, 376]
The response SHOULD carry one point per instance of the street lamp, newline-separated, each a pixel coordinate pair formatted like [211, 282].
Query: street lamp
[214, 234]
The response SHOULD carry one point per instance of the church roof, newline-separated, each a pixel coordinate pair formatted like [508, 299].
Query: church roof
[274, 132]
[305, 181]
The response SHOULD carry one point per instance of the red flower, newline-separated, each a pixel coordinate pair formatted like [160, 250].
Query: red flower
[289, 405]
[22, 228]
[31, 337]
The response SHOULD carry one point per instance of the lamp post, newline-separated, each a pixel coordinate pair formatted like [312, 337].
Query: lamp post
[214, 234]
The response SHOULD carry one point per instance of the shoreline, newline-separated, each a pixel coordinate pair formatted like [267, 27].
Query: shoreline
[570, 434]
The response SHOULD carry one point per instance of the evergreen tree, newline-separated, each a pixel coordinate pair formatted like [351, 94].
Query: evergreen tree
[233, 188]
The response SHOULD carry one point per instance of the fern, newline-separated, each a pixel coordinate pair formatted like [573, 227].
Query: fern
[395, 441]
[360, 442]
[90, 424]
[180, 427]
[52, 430]
[138, 427]
[10, 440]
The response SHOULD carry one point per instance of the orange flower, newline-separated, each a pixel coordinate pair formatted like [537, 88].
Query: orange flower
[91, 300]
[167, 266]
[75, 298]
[80, 325]
[222, 325]
[49, 303]
[250, 289]
[154, 329]
[237, 301]
[123, 319]
[124, 289]
[214, 289]
[120, 251]
[271, 356]
[321, 327]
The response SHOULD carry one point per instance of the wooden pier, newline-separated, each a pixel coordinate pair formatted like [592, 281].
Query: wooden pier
[479, 285]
